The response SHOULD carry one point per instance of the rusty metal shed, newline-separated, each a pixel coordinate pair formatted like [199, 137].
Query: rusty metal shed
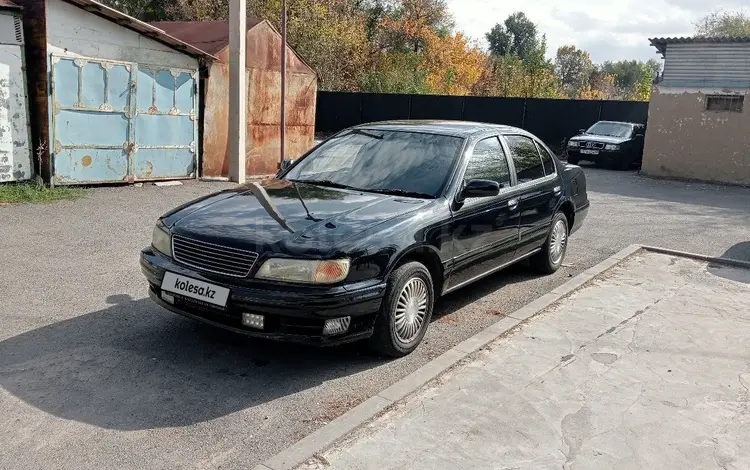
[263, 74]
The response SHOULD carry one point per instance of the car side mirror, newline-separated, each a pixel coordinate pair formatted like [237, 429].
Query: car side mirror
[286, 164]
[480, 188]
[581, 131]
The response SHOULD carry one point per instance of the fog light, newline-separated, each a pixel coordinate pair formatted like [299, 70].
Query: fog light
[336, 326]
[252, 320]
[167, 298]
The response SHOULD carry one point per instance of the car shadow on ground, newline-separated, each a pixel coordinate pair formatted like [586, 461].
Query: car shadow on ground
[135, 366]
[739, 252]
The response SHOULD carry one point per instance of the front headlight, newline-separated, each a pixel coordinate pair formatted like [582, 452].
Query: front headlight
[572, 143]
[161, 240]
[611, 147]
[302, 270]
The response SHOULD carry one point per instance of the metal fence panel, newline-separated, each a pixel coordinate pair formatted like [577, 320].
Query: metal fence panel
[337, 110]
[495, 110]
[385, 107]
[555, 121]
[437, 107]
[552, 120]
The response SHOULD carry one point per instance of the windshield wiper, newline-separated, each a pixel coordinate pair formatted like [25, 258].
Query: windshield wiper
[328, 183]
[401, 192]
[367, 133]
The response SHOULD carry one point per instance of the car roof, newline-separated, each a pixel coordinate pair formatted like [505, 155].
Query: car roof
[442, 127]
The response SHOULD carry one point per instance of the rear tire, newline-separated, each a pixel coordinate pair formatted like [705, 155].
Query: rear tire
[553, 251]
[406, 311]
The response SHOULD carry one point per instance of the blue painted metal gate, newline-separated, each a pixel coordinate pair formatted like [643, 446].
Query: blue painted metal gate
[121, 121]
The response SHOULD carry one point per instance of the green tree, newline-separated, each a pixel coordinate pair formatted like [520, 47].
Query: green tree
[144, 10]
[512, 77]
[395, 72]
[517, 35]
[574, 67]
[329, 34]
[629, 72]
[724, 23]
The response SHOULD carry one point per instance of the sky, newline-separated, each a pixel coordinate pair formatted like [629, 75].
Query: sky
[609, 30]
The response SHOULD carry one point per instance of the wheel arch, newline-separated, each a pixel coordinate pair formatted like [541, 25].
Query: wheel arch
[429, 257]
[569, 210]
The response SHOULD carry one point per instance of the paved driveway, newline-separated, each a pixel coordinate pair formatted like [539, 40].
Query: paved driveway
[657, 379]
[92, 374]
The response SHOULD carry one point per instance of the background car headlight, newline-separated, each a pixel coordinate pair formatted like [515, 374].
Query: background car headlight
[611, 147]
[307, 271]
[572, 143]
[162, 240]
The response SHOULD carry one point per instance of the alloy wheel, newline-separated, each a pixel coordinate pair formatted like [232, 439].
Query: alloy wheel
[558, 239]
[411, 310]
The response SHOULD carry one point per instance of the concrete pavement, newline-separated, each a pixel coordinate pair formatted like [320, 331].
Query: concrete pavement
[646, 366]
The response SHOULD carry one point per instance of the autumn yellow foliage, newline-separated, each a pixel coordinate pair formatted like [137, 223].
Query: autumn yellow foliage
[451, 63]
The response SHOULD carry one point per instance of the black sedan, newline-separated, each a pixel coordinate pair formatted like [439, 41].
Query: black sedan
[357, 238]
[617, 145]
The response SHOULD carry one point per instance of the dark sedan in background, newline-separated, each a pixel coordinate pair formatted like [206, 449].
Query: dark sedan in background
[617, 145]
[357, 238]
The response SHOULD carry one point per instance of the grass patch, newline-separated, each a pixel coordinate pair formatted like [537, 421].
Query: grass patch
[18, 193]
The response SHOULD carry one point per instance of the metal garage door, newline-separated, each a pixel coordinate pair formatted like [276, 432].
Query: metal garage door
[119, 121]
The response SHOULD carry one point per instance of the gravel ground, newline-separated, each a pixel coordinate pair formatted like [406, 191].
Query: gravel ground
[93, 375]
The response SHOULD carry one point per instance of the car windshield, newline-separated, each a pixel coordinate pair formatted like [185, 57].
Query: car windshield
[612, 129]
[397, 162]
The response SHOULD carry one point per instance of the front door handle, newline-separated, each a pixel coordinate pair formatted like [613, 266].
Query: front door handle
[512, 204]
[558, 190]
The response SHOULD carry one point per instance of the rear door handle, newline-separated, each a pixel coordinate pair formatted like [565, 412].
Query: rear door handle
[558, 189]
[513, 203]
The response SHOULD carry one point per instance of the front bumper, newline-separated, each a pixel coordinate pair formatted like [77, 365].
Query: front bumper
[292, 313]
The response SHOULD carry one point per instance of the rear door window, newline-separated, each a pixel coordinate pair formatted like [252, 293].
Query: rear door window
[526, 158]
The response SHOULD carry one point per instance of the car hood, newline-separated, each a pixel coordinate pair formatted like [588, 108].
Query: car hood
[279, 215]
[599, 138]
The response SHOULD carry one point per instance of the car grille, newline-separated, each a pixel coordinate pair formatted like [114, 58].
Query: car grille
[213, 258]
[592, 145]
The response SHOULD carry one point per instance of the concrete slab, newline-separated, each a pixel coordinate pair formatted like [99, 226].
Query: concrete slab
[647, 366]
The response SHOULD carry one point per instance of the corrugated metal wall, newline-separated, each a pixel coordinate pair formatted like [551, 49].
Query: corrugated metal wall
[701, 63]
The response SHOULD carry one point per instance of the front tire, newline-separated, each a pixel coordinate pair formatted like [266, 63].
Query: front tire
[573, 160]
[553, 251]
[406, 311]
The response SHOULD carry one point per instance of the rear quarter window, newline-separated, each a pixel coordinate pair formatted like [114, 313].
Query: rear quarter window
[526, 158]
[547, 161]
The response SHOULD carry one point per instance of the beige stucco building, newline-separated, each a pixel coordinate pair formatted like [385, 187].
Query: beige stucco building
[698, 126]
